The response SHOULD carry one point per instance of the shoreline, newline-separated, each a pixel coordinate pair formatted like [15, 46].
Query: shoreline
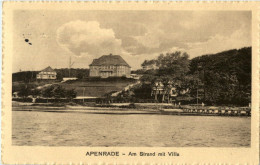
[112, 110]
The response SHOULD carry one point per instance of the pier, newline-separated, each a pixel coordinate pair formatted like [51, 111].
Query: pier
[220, 111]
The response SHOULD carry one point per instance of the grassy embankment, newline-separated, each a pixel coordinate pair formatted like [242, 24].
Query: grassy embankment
[17, 85]
[97, 87]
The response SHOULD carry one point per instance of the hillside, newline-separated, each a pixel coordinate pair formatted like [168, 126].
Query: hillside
[74, 72]
[30, 76]
[97, 87]
[226, 76]
[25, 76]
[215, 79]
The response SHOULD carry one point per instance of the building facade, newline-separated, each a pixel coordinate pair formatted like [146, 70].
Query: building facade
[109, 66]
[150, 67]
[163, 92]
[47, 74]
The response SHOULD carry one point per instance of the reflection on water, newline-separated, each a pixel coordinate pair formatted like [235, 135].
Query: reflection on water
[81, 129]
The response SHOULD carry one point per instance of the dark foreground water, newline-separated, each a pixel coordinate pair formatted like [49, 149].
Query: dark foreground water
[81, 129]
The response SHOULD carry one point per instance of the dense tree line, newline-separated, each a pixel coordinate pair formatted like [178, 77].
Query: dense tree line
[25, 76]
[79, 73]
[222, 78]
[226, 76]
[30, 76]
[149, 62]
[171, 66]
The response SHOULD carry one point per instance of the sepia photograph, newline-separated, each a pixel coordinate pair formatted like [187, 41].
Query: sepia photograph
[125, 83]
[131, 78]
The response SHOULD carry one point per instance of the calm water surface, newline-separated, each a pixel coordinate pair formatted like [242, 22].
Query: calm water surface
[81, 129]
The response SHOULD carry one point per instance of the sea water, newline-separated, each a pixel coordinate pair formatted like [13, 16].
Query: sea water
[31, 128]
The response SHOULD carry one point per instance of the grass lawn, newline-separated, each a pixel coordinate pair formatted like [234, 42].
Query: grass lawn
[16, 85]
[93, 87]
[96, 88]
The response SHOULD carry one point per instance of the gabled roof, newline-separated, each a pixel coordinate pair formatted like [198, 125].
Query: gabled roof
[109, 60]
[48, 69]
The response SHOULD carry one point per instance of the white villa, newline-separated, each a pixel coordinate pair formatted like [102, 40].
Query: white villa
[109, 66]
[47, 74]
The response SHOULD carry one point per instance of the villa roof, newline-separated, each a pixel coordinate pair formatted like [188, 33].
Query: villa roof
[48, 69]
[109, 60]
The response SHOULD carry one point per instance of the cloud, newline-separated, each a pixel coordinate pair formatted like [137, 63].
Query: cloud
[151, 39]
[174, 49]
[218, 43]
[141, 34]
[136, 61]
[83, 38]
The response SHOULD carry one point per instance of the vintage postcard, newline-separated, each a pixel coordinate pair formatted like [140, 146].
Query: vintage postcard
[130, 82]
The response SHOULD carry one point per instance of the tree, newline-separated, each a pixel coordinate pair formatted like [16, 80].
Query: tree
[24, 90]
[142, 91]
[25, 76]
[59, 92]
[172, 68]
[35, 92]
[48, 92]
[148, 78]
[71, 93]
[167, 86]
[171, 65]
[149, 63]
[80, 75]
[221, 78]
[226, 76]
[174, 65]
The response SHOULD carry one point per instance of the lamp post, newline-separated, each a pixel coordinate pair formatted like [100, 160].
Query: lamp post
[202, 66]
[197, 97]
[83, 94]
[70, 65]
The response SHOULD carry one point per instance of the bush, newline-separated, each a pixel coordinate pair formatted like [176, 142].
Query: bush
[132, 105]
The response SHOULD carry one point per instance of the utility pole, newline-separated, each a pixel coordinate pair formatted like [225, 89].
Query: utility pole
[70, 65]
[83, 94]
[202, 66]
[198, 70]
[197, 97]
[204, 88]
[32, 75]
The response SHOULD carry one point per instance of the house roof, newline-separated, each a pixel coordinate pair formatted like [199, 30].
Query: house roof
[109, 60]
[48, 69]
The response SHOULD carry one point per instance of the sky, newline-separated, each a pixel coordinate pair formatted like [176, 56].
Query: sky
[50, 37]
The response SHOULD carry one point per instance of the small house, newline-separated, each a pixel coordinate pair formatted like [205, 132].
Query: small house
[47, 74]
[163, 92]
